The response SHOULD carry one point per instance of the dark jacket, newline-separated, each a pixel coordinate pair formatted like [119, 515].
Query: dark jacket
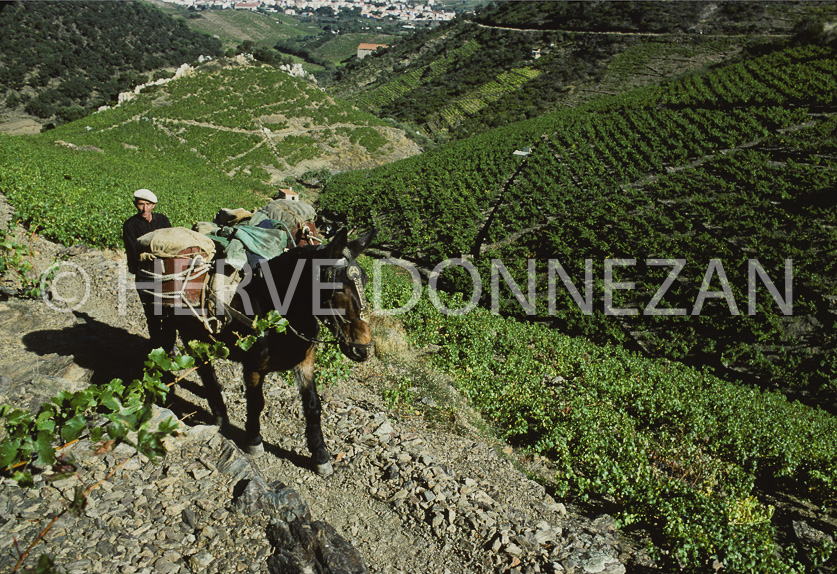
[134, 228]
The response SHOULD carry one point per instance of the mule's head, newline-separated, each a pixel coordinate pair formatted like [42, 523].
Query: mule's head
[345, 301]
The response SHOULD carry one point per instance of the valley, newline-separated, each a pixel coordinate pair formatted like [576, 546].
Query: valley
[645, 192]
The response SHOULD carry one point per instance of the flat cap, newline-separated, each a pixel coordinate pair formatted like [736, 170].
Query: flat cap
[146, 195]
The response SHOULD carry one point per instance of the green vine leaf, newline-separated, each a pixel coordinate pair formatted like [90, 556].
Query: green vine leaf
[45, 420]
[96, 434]
[183, 362]
[73, 428]
[9, 449]
[24, 479]
[46, 454]
[159, 359]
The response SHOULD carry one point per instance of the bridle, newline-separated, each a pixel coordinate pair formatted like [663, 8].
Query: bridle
[355, 275]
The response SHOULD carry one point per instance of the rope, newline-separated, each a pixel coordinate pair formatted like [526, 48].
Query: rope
[186, 274]
[288, 231]
[198, 267]
[304, 230]
[306, 234]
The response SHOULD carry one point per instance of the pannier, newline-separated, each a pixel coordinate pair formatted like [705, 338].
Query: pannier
[174, 264]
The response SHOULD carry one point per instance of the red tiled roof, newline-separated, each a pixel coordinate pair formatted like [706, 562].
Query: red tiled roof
[364, 46]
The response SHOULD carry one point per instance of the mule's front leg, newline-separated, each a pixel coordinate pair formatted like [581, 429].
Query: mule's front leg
[304, 375]
[255, 405]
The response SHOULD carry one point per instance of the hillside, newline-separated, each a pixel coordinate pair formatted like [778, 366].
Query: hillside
[640, 299]
[730, 164]
[224, 134]
[233, 27]
[185, 512]
[519, 60]
[61, 60]
[645, 466]
[321, 40]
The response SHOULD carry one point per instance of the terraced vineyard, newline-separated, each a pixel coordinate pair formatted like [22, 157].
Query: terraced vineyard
[391, 90]
[693, 222]
[233, 27]
[730, 165]
[504, 83]
[688, 222]
[696, 460]
[517, 62]
[227, 133]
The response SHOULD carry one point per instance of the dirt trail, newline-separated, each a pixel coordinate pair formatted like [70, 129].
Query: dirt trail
[414, 491]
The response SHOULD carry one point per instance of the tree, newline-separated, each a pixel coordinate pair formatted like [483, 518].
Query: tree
[12, 100]
[44, 104]
[71, 113]
[265, 55]
[76, 87]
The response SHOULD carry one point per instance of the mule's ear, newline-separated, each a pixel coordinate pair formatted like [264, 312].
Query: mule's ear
[360, 244]
[334, 248]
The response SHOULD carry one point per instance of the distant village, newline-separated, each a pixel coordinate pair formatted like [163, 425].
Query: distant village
[425, 10]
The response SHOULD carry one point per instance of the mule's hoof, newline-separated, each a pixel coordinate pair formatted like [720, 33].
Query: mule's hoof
[256, 449]
[325, 469]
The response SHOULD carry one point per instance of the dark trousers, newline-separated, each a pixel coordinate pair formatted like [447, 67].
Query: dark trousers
[161, 329]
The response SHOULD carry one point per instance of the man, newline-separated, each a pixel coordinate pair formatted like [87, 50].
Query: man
[162, 333]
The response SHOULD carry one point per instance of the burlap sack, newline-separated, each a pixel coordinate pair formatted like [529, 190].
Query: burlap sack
[221, 289]
[205, 227]
[168, 242]
[291, 212]
[231, 216]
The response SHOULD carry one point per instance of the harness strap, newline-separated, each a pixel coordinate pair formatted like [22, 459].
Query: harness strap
[197, 268]
[248, 323]
[354, 274]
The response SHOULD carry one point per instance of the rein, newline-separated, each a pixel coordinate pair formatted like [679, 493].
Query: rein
[354, 274]
[248, 322]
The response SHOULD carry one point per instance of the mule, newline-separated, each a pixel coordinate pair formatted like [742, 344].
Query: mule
[307, 285]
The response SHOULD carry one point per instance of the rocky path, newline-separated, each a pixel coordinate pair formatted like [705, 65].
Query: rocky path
[408, 495]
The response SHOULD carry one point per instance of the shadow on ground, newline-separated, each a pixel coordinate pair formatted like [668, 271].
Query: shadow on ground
[107, 352]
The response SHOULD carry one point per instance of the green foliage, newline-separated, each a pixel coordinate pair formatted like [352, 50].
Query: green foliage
[87, 198]
[678, 449]
[46, 565]
[31, 438]
[207, 149]
[294, 149]
[368, 137]
[13, 259]
[731, 164]
[753, 18]
[109, 414]
[333, 366]
[206, 352]
[399, 396]
[343, 46]
[273, 321]
[119, 41]
[461, 79]
[230, 26]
